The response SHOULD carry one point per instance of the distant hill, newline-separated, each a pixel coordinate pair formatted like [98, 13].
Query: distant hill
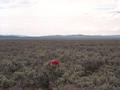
[11, 36]
[80, 36]
[61, 37]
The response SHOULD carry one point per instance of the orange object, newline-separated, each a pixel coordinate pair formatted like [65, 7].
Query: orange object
[54, 61]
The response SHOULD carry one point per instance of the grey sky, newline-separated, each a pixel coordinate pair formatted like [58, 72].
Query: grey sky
[61, 17]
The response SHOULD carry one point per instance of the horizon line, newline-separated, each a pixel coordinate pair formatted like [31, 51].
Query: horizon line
[57, 35]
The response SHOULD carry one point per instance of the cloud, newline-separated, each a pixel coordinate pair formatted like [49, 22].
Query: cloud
[51, 17]
[4, 1]
[5, 4]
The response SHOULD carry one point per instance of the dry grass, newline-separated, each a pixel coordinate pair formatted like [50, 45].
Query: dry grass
[85, 64]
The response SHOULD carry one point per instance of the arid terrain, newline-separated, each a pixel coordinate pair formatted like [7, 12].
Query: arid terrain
[85, 64]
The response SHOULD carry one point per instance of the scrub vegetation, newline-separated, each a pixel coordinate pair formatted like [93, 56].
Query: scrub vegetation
[85, 64]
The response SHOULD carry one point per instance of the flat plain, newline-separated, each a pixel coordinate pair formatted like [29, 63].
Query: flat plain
[85, 64]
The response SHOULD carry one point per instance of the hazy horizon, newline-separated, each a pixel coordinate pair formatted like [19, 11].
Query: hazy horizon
[59, 17]
[60, 35]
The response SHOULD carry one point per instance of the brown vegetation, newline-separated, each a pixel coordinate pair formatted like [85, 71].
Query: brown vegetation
[85, 64]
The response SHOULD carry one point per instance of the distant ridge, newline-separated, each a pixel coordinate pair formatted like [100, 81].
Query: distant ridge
[61, 37]
[11, 36]
[80, 36]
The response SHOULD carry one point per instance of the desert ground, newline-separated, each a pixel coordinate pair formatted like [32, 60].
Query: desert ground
[85, 64]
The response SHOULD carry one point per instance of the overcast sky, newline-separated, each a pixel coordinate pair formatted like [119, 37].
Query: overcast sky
[59, 17]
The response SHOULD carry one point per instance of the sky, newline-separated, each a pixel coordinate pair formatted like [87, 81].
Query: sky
[59, 17]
